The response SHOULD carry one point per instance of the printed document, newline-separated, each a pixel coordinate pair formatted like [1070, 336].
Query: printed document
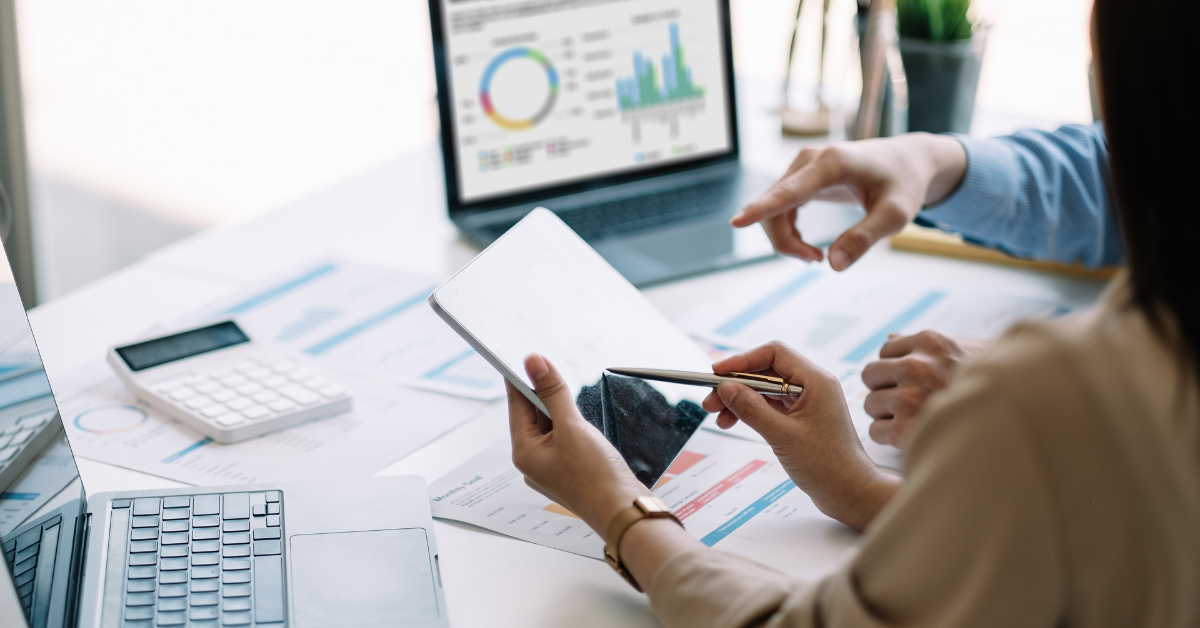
[730, 493]
[369, 322]
[106, 423]
[841, 320]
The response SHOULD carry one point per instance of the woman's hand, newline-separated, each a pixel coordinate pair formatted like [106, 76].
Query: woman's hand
[566, 459]
[909, 370]
[812, 435]
[892, 178]
[563, 456]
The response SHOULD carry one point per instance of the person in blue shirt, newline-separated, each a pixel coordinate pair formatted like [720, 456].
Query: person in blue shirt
[1034, 194]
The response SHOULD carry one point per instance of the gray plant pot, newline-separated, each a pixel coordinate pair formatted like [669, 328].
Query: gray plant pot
[942, 80]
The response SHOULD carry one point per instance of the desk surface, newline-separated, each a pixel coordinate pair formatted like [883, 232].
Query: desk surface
[394, 217]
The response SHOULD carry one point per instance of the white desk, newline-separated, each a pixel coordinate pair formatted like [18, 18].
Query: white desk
[394, 216]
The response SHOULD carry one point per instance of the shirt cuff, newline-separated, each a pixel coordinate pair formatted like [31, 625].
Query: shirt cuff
[984, 193]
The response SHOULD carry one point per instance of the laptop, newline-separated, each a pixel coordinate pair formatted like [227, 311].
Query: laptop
[306, 554]
[618, 116]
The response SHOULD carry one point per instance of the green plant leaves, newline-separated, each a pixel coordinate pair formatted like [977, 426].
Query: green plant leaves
[934, 20]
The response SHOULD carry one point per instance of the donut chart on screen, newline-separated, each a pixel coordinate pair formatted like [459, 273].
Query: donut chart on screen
[485, 99]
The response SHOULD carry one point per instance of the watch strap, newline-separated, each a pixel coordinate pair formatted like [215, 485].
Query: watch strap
[642, 508]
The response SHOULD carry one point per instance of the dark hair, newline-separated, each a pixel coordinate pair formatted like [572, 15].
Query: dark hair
[1147, 67]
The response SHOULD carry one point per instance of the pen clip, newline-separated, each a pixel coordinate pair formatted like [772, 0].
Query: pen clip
[763, 378]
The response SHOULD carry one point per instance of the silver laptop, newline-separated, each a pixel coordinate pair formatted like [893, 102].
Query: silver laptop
[619, 116]
[306, 554]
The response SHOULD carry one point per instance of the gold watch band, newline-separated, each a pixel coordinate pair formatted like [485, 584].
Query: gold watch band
[642, 508]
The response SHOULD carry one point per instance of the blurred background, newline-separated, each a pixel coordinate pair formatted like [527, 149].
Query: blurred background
[147, 121]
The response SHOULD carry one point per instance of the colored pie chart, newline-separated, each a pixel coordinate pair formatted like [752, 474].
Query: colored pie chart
[487, 103]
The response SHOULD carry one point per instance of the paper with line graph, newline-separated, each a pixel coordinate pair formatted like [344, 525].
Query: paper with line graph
[731, 494]
[370, 322]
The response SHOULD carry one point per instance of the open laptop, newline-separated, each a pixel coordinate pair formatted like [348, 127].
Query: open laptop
[306, 554]
[619, 116]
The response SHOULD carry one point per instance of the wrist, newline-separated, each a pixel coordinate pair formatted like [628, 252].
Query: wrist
[947, 164]
[610, 504]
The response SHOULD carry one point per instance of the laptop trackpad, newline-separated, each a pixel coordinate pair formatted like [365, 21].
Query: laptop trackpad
[362, 578]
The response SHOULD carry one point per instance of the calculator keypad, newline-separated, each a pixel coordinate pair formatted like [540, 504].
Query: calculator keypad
[264, 386]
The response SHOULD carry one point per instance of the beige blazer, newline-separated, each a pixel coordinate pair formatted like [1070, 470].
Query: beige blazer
[1056, 482]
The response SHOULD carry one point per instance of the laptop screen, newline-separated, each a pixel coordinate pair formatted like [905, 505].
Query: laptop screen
[38, 477]
[540, 94]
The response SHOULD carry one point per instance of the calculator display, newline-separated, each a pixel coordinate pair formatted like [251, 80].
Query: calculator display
[144, 355]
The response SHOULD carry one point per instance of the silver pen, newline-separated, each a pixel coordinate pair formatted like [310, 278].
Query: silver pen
[764, 384]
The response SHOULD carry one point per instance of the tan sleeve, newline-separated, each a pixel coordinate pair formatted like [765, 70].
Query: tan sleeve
[969, 541]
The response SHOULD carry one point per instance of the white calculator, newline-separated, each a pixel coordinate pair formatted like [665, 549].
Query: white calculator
[217, 381]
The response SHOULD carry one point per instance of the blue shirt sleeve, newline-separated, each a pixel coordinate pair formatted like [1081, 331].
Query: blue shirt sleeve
[1036, 194]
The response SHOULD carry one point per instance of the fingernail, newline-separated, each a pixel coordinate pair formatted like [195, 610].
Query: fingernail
[838, 259]
[535, 366]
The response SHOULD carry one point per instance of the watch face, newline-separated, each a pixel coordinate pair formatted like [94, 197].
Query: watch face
[650, 505]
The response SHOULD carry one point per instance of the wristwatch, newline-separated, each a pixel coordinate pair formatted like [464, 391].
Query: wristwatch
[643, 508]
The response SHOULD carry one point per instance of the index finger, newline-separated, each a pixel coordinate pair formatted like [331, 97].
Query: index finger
[897, 347]
[790, 192]
[785, 361]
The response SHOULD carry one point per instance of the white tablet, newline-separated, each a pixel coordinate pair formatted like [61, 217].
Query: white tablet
[541, 289]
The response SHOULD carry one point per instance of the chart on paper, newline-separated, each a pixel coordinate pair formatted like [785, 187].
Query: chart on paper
[841, 320]
[730, 494]
[370, 322]
[106, 423]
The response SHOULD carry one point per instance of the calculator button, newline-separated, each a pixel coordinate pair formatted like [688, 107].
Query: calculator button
[233, 380]
[192, 381]
[219, 373]
[255, 412]
[262, 355]
[224, 396]
[183, 394]
[283, 366]
[231, 418]
[207, 388]
[250, 388]
[246, 366]
[299, 394]
[299, 375]
[198, 402]
[239, 404]
[317, 382]
[331, 391]
[259, 373]
[276, 381]
[169, 386]
[267, 396]
[213, 410]
[283, 405]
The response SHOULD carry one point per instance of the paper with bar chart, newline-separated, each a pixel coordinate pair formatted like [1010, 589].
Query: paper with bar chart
[369, 322]
[841, 320]
[730, 494]
[549, 91]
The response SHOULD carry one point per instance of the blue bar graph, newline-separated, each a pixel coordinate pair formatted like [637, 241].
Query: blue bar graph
[764, 502]
[644, 89]
[768, 303]
[876, 341]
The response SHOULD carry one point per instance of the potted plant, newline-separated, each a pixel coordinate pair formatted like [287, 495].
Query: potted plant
[942, 51]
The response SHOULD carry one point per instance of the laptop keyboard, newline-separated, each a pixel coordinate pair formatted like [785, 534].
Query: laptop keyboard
[30, 555]
[634, 213]
[204, 560]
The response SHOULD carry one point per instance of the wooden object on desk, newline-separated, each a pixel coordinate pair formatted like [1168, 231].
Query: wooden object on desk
[915, 239]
